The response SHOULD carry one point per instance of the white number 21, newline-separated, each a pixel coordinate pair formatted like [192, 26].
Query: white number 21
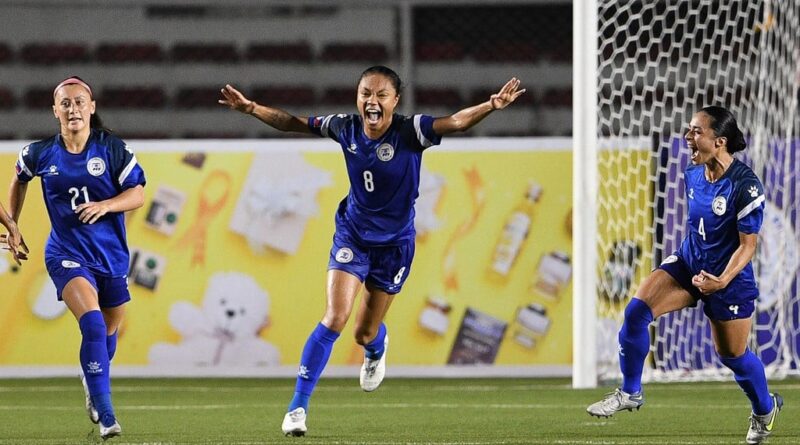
[76, 194]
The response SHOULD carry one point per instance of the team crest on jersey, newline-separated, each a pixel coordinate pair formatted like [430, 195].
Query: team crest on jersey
[719, 205]
[670, 259]
[385, 152]
[344, 255]
[96, 166]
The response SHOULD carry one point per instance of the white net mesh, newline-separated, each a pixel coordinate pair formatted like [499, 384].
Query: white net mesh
[659, 62]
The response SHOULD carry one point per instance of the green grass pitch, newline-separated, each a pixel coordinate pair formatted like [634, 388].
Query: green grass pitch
[401, 412]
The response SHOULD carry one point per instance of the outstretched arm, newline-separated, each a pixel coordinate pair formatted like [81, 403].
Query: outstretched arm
[468, 117]
[274, 117]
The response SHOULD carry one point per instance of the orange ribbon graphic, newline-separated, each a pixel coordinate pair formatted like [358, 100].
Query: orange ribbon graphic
[478, 196]
[217, 183]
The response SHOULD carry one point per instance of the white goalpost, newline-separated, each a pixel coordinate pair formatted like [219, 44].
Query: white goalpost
[641, 69]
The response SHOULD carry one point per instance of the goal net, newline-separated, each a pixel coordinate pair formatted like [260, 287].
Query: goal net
[658, 63]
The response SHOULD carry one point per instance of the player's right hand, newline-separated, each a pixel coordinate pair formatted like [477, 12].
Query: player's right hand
[234, 99]
[14, 243]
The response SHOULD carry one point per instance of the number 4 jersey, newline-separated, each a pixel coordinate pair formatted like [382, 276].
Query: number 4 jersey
[718, 211]
[103, 170]
[384, 174]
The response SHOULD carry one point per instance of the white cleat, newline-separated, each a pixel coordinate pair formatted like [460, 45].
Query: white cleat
[294, 423]
[90, 411]
[616, 401]
[373, 371]
[107, 432]
[761, 426]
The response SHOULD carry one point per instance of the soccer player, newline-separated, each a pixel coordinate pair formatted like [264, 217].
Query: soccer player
[374, 240]
[725, 210]
[89, 179]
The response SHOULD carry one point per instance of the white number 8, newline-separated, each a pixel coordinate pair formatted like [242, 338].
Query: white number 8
[368, 183]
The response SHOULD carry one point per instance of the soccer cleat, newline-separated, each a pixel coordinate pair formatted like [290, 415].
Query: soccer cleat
[761, 426]
[294, 423]
[107, 432]
[373, 371]
[616, 401]
[90, 411]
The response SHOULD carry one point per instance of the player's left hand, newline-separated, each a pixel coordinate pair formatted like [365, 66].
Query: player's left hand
[509, 93]
[90, 212]
[707, 283]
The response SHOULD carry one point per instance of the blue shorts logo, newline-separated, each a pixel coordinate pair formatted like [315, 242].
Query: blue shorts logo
[69, 264]
[344, 255]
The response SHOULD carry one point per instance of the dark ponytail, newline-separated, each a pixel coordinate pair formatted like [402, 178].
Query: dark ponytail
[724, 125]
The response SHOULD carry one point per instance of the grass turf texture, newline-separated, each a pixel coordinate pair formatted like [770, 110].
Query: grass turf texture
[402, 411]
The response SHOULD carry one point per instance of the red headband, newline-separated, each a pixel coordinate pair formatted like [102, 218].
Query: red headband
[72, 81]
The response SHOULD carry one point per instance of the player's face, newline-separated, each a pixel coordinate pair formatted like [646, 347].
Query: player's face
[376, 102]
[73, 107]
[702, 140]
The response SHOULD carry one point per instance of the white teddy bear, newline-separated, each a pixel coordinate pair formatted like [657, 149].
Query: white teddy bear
[224, 331]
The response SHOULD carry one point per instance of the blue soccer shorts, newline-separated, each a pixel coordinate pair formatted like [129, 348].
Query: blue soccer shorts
[723, 305]
[385, 267]
[111, 291]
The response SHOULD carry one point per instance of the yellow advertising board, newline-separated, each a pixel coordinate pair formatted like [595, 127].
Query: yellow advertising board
[229, 256]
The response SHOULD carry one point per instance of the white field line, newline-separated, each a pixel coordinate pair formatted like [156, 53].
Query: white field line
[327, 441]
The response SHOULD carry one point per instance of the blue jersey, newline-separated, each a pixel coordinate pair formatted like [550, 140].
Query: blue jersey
[718, 211]
[104, 169]
[384, 174]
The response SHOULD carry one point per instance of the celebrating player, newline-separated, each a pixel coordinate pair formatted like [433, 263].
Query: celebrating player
[726, 204]
[89, 179]
[374, 240]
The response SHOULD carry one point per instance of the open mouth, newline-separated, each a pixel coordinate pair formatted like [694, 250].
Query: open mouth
[373, 115]
[695, 152]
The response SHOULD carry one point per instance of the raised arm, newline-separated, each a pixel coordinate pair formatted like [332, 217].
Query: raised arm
[274, 117]
[468, 117]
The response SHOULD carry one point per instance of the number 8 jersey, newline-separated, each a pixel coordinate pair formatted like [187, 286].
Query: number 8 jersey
[104, 169]
[384, 174]
[718, 211]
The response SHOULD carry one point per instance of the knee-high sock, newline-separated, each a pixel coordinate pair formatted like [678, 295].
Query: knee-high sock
[634, 343]
[111, 345]
[749, 374]
[315, 356]
[374, 349]
[94, 361]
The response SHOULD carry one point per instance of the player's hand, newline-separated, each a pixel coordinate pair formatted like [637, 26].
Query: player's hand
[509, 93]
[90, 212]
[707, 283]
[14, 243]
[234, 99]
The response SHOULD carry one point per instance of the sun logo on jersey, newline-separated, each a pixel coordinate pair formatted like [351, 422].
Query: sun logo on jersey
[385, 152]
[753, 191]
[719, 205]
[96, 166]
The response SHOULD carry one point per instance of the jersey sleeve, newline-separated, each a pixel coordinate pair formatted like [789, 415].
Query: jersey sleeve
[329, 126]
[423, 129]
[125, 169]
[26, 164]
[749, 201]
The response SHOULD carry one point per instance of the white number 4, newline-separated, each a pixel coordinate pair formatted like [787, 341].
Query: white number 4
[702, 229]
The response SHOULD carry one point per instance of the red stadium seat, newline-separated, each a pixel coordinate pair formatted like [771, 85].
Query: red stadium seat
[7, 100]
[284, 95]
[213, 135]
[54, 53]
[339, 96]
[6, 53]
[129, 53]
[299, 52]
[132, 97]
[355, 52]
[39, 98]
[205, 52]
[561, 97]
[198, 97]
[443, 97]
[439, 51]
[511, 51]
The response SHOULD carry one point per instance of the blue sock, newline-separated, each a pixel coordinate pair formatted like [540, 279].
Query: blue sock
[315, 356]
[634, 343]
[94, 361]
[374, 349]
[111, 345]
[749, 374]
